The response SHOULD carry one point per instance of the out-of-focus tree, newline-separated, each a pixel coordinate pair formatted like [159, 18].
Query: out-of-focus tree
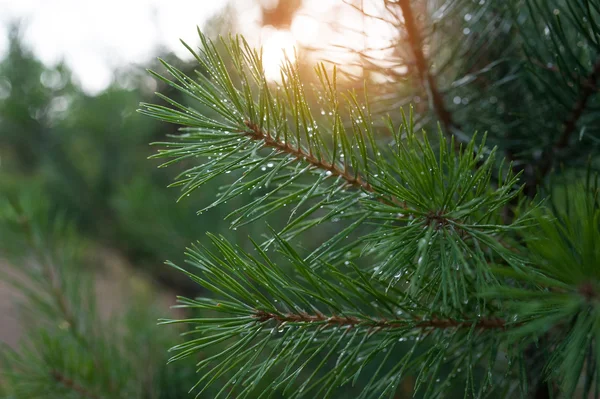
[279, 13]
[34, 99]
[88, 154]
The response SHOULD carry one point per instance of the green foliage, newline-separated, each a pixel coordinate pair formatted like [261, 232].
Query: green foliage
[561, 45]
[397, 262]
[70, 349]
[433, 242]
[422, 234]
[442, 194]
[87, 154]
[524, 71]
[324, 325]
[560, 290]
[28, 105]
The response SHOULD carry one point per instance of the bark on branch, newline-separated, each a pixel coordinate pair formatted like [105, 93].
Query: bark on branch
[427, 78]
[352, 321]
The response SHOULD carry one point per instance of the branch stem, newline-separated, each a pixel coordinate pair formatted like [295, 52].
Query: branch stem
[352, 321]
[259, 134]
[72, 385]
[427, 78]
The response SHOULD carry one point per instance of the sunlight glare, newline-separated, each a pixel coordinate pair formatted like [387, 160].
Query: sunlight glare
[305, 29]
[333, 31]
[276, 45]
[327, 30]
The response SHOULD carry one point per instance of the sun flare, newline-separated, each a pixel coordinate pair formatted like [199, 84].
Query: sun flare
[329, 28]
[276, 46]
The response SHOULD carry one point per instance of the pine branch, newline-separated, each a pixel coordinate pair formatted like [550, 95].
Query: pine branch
[49, 272]
[256, 117]
[437, 263]
[423, 267]
[352, 321]
[53, 282]
[446, 193]
[313, 312]
[427, 78]
[587, 90]
[72, 385]
[357, 180]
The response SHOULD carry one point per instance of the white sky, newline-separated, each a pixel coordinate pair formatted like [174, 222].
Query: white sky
[94, 37]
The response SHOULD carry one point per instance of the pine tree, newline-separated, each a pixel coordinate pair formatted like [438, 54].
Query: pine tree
[69, 349]
[405, 254]
[451, 265]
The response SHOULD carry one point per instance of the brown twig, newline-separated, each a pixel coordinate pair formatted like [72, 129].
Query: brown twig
[588, 88]
[259, 134]
[427, 78]
[588, 291]
[351, 321]
[72, 385]
[356, 181]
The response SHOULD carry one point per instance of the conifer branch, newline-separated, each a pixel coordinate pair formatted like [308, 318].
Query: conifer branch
[57, 292]
[588, 88]
[47, 269]
[72, 385]
[429, 253]
[352, 321]
[427, 78]
[55, 287]
[258, 134]
[355, 180]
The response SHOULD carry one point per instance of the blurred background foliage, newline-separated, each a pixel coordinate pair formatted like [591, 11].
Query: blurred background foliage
[87, 153]
[83, 159]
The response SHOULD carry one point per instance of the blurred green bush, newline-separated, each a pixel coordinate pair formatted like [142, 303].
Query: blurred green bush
[88, 155]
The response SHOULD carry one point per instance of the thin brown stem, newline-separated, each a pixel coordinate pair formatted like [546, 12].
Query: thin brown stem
[352, 321]
[259, 134]
[72, 385]
[356, 180]
[588, 291]
[427, 78]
